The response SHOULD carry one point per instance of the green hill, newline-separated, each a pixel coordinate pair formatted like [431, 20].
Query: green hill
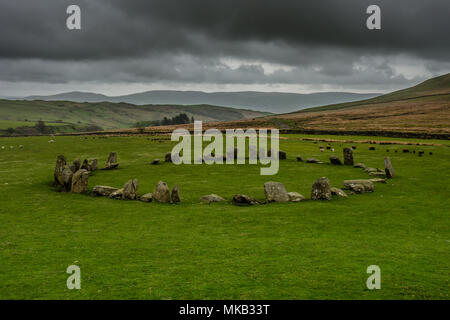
[109, 115]
[438, 86]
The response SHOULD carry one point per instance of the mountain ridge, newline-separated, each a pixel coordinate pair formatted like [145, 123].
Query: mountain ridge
[275, 102]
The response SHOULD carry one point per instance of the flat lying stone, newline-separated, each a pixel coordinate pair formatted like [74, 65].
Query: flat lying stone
[295, 197]
[104, 191]
[146, 197]
[242, 199]
[338, 192]
[211, 198]
[367, 185]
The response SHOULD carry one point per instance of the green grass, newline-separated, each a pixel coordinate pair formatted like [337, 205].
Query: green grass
[5, 124]
[112, 115]
[135, 250]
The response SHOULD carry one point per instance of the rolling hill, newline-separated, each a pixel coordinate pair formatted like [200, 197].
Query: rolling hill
[110, 115]
[420, 110]
[274, 102]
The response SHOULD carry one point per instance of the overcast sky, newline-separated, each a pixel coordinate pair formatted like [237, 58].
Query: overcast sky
[227, 45]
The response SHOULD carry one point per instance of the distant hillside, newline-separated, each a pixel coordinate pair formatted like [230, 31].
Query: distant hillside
[274, 102]
[111, 115]
[431, 87]
[422, 110]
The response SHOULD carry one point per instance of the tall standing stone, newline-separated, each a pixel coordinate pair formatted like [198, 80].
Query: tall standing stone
[66, 177]
[390, 173]
[321, 189]
[161, 193]
[348, 156]
[75, 165]
[111, 163]
[80, 181]
[175, 195]
[130, 190]
[59, 167]
[93, 165]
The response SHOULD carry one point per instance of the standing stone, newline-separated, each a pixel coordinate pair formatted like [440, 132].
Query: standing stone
[348, 156]
[80, 181]
[59, 167]
[76, 165]
[321, 189]
[161, 192]
[111, 163]
[168, 157]
[275, 192]
[175, 195]
[335, 160]
[390, 173]
[66, 177]
[93, 165]
[130, 190]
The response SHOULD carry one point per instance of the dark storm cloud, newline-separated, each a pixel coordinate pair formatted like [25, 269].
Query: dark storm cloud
[167, 40]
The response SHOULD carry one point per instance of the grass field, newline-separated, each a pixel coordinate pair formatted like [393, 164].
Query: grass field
[307, 250]
[5, 124]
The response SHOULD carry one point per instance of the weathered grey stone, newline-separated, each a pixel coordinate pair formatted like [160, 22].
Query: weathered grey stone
[242, 199]
[335, 160]
[66, 177]
[59, 167]
[76, 165]
[321, 189]
[161, 193]
[80, 181]
[367, 184]
[112, 161]
[389, 170]
[146, 197]
[348, 156]
[104, 191]
[295, 197]
[130, 190]
[369, 170]
[175, 195]
[93, 165]
[275, 192]
[117, 194]
[168, 157]
[338, 192]
[211, 198]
